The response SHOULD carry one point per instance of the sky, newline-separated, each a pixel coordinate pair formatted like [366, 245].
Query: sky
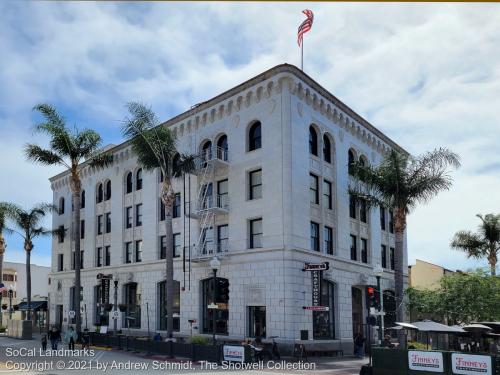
[427, 75]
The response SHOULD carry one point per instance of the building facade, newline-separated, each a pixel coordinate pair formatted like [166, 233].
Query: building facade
[270, 194]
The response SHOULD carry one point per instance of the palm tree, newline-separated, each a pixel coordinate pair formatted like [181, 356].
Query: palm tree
[28, 224]
[73, 149]
[484, 244]
[3, 246]
[399, 183]
[155, 147]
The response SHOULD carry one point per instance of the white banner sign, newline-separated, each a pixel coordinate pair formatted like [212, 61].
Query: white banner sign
[234, 353]
[425, 361]
[468, 364]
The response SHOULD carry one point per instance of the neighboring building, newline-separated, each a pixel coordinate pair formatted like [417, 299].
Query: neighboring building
[14, 275]
[270, 194]
[425, 275]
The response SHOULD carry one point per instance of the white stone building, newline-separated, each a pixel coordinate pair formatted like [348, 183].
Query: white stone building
[276, 150]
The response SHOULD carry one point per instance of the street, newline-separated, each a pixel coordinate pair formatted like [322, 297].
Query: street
[24, 355]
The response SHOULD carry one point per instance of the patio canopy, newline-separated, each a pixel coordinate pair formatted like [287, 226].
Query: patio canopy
[476, 327]
[430, 326]
[35, 305]
[493, 325]
[404, 325]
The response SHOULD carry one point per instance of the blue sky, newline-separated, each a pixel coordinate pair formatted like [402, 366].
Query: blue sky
[428, 75]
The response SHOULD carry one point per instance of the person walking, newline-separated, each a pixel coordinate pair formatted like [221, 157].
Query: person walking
[70, 338]
[359, 341]
[44, 342]
[85, 339]
[54, 337]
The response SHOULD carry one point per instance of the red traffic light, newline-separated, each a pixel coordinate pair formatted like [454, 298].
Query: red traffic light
[370, 291]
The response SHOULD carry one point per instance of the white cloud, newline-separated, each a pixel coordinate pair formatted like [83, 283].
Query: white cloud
[425, 74]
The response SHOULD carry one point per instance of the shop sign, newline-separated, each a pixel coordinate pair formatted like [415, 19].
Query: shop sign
[316, 308]
[105, 284]
[469, 364]
[316, 288]
[425, 361]
[234, 353]
[316, 266]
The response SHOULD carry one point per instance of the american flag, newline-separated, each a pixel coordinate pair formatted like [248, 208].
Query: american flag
[305, 26]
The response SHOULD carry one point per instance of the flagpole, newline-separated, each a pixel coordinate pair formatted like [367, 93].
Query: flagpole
[302, 55]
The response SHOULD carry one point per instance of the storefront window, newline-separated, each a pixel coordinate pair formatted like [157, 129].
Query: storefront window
[324, 321]
[257, 321]
[221, 314]
[132, 299]
[101, 316]
[162, 308]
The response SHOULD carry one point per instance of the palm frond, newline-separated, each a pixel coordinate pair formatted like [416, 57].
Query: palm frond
[101, 161]
[470, 243]
[87, 142]
[51, 115]
[185, 164]
[37, 154]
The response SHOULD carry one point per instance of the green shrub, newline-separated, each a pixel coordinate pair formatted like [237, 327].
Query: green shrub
[2, 329]
[200, 340]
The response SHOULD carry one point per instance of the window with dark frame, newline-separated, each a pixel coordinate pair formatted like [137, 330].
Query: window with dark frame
[176, 209]
[60, 234]
[314, 236]
[255, 233]
[313, 189]
[255, 180]
[138, 251]
[352, 206]
[138, 215]
[327, 194]
[61, 206]
[60, 262]
[107, 256]
[354, 247]
[138, 179]
[328, 240]
[108, 222]
[363, 211]
[162, 209]
[383, 256]
[82, 229]
[223, 193]
[254, 136]
[99, 224]
[382, 218]
[313, 141]
[391, 221]
[163, 247]
[100, 194]
[82, 199]
[128, 217]
[364, 250]
[327, 149]
[99, 257]
[128, 252]
[107, 196]
[352, 160]
[391, 256]
[128, 183]
[177, 244]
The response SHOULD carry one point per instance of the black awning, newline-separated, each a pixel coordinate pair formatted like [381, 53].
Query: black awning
[35, 305]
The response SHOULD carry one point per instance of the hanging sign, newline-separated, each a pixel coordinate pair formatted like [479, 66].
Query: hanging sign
[316, 266]
[425, 361]
[316, 287]
[316, 308]
[469, 364]
[105, 284]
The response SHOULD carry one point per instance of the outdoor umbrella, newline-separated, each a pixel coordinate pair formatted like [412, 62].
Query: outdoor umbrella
[433, 327]
[476, 327]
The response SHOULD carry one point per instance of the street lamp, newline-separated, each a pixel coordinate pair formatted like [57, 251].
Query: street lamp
[378, 271]
[11, 292]
[215, 265]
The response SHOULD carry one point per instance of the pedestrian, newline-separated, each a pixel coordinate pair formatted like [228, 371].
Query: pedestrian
[54, 337]
[85, 339]
[44, 342]
[359, 341]
[70, 338]
[157, 337]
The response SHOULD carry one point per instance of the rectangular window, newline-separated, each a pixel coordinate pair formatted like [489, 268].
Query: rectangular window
[255, 182]
[208, 240]
[99, 257]
[138, 215]
[391, 221]
[383, 256]
[99, 224]
[163, 247]
[313, 189]
[128, 252]
[60, 262]
[222, 238]
[382, 218]
[364, 250]
[328, 240]
[391, 256]
[82, 229]
[107, 256]
[327, 194]
[255, 233]
[162, 210]
[73, 260]
[352, 206]
[314, 236]
[108, 222]
[176, 209]
[138, 251]
[354, 247]
[81, 260]
[363, 211]
[223, 194]
[177, 245]
[128, 217]
[60, 234]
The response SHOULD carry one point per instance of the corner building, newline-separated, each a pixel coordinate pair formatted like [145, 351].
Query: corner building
[270, 194]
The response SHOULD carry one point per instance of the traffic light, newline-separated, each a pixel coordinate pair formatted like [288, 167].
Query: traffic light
[223, 289]
[370, 294]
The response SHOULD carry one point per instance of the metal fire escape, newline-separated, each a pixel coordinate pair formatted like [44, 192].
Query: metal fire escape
[208, 204]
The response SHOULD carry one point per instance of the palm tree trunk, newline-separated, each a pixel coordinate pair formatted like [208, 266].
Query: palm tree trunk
[2, 252]
[28, 247]
[75, 185]
[493, 268]
[399, 228]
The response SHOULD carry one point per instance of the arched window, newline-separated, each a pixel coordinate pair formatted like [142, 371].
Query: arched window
[327, 149]
[162, 305]
[222, 148]
[138, 179]
[61, 206]
[222, 313]
[313, 141]
[324, 321]
[108, 190]
[352, 160]
[206, 151]
[99, 195]
[82, 199]
[254, 136]
[128, 183]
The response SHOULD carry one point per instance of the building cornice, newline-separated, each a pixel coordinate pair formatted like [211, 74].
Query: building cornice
[250, 92]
